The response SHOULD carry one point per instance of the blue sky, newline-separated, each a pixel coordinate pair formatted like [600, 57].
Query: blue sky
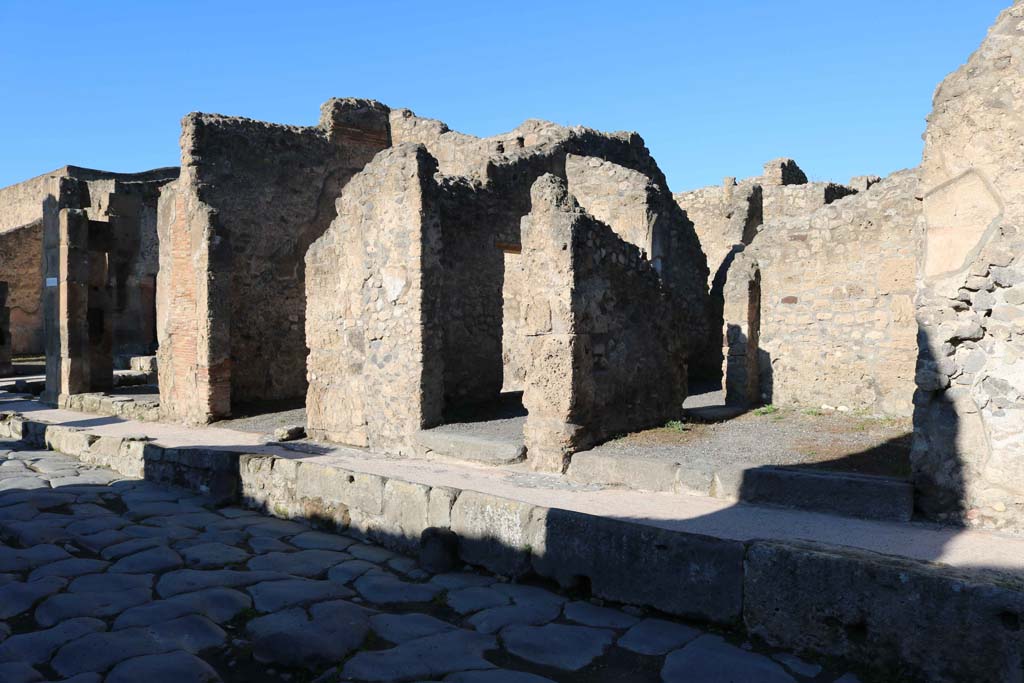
[715, 88]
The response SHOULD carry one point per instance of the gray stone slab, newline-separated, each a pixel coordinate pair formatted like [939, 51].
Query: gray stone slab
[152, 613]
[475, 448]
[205, 555]
[172, 667]
[657, 637]
[855, 495]
[475, 598]
[496, 618]
[268, 544]
[276, 528]
[428, 657]
[561, 646]
[95, 525]
[109, 583]
[154, 560]
[385, 589]
[456, 580]
[69, 568]
[57, 608]
[128, 547]
[165, 533]
[308, 563]
[350, 570]
[496, 676]
[371, 553]
[529, 595]
[583, 612]
[191, 580]
[271, 596]
[318, 540]
[19, 672]
[17, 597]
[710, 659]
[98, 652]
[102, 539]
[400, 628]
[323, 636]
[38, 647]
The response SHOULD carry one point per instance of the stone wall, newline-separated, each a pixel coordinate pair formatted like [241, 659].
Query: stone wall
[21, 266]
[234, 231]
[835, 319]
[606, 353]
[373, 322]
[968, 453]
[5, 332]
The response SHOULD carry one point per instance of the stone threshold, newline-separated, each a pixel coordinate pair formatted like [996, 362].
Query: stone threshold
[943, 604]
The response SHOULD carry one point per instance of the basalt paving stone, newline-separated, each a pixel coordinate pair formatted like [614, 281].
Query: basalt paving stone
[154, 560]
[17, 597]
[267, 544]
[601, 617]
[384, 589]
[70, 568]
[494, 619]
[165, 533]
[100, 651]
[22, 559]
[710, 659]
[276, 528]
[300, 563]
[475, 598]
[37, 531]
[456, 580]
[92, 526]
[173, 667]
[39, 498]
[19, 512]
[350, 570]
[22, 484]
[103, 539]
[38, 647]
[218, 604]
[129, 547]
[57, 608]
[496, 676]
[422, 658]
[271, 596]
[206, 555]
[371, 553]
[324, 635]
[191, 580]
[529, 595]
[103, 583]
[657, 637]
[318, 540]
[400, 628]
[561, 646]
[19, 672]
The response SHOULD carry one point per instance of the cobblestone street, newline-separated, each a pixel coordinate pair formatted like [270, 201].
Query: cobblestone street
[126, 581]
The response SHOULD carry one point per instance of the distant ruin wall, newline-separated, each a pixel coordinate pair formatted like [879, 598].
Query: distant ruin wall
[968, 452]
[21, 256]
[836, 302]
[375, 308]
[256, 196]
[604, 337]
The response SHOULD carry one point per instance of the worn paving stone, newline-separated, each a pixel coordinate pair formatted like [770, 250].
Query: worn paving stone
[109, 583]
[797, 665]
[308, 563]
[129, 547]
[102, 539]
[152, 613]
[585, 613]
[165, 533]
[400, 628]
[710, 659]
[19, 672]
[318, 540]
[562, 646]
[206, 555]
[529, 595]
[191, 580]
[270, 596]
[494, 619]
[69, 568]
[38, 647]
[23, 559]
[57, 608]
[324, 635]
[275, 528]
[456, 580]
[269, 544]
[475, 598]
[428, 657]
[350, 570]
[385, 589]
[371, 553]
[22, 484]
[17, 597]
[172, 667]
[657, 637]
[496, 676]
[218, 604]
[98, 652]
[36, 531]
[92, 526]
[154, 560]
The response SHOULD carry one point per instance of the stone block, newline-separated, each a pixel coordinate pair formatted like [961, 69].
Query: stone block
[855, 495]
[356, 490]
[645, 474]
[497, 533]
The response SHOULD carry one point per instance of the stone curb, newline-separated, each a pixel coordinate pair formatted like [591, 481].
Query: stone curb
[901, 618]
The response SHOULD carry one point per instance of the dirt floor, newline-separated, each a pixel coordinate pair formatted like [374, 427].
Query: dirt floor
[834, 441]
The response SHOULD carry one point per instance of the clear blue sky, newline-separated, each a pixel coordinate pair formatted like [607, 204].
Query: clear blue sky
[714, 87]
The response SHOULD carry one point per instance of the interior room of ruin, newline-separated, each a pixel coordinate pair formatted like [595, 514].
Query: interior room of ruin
[527, 354]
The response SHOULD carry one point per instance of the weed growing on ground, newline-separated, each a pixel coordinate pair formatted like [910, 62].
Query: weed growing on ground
[766, 410]
[675, 426]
